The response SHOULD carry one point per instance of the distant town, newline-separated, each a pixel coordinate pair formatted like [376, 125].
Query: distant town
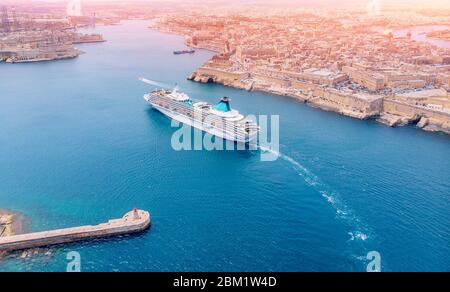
[348, 62]
[367, 63]
[31, 36]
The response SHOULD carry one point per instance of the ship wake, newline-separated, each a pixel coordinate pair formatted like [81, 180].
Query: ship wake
[358, 231]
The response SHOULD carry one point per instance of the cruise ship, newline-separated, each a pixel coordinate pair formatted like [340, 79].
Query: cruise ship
[219, 120]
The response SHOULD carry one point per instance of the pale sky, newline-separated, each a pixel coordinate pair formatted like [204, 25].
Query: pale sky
[322, 3]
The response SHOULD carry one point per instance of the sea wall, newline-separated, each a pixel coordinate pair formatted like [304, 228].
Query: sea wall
[429, 119]
[212, 75]
[349, 104]
[353, 105]
[357, 105]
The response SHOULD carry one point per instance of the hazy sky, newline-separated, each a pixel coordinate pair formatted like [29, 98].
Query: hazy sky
[332, 3]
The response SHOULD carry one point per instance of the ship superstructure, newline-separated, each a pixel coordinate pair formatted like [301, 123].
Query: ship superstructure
[219, 120]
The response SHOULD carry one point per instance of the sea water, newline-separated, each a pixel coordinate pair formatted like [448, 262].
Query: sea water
[79, 145]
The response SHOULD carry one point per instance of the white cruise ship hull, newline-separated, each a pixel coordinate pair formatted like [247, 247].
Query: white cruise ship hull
[203, 127]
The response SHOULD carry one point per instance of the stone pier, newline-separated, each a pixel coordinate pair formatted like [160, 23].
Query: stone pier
[132, 222]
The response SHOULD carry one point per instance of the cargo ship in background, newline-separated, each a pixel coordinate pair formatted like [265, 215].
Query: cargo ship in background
[184, 52]
[219, 120]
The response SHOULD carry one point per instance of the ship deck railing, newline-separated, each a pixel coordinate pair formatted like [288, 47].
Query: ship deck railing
[238, 127]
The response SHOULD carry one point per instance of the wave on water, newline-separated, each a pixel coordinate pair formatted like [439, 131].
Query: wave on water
[358, 232]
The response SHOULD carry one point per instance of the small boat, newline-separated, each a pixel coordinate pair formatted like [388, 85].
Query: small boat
[184, 52]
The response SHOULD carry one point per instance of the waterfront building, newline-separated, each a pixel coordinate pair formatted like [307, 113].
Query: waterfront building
[370, 80]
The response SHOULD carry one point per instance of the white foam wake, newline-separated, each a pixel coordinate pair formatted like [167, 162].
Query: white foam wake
[154, 83]
[358, 230]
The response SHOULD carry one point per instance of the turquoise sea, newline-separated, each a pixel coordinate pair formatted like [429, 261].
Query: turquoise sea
[79, 145]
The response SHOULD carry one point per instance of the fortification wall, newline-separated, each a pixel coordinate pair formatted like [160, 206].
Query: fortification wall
[436, 118]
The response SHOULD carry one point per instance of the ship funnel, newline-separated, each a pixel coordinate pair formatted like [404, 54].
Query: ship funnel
[223, 105]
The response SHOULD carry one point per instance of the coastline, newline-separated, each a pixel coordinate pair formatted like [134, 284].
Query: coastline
[31, 51]
[75, 54]
[11, 223]
[383, 116]
[161, 30]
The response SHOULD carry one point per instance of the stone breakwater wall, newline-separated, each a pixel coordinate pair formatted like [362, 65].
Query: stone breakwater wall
[427, 119]
[132, 222]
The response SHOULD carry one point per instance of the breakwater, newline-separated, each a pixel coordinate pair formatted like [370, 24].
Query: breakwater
[132, 222]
